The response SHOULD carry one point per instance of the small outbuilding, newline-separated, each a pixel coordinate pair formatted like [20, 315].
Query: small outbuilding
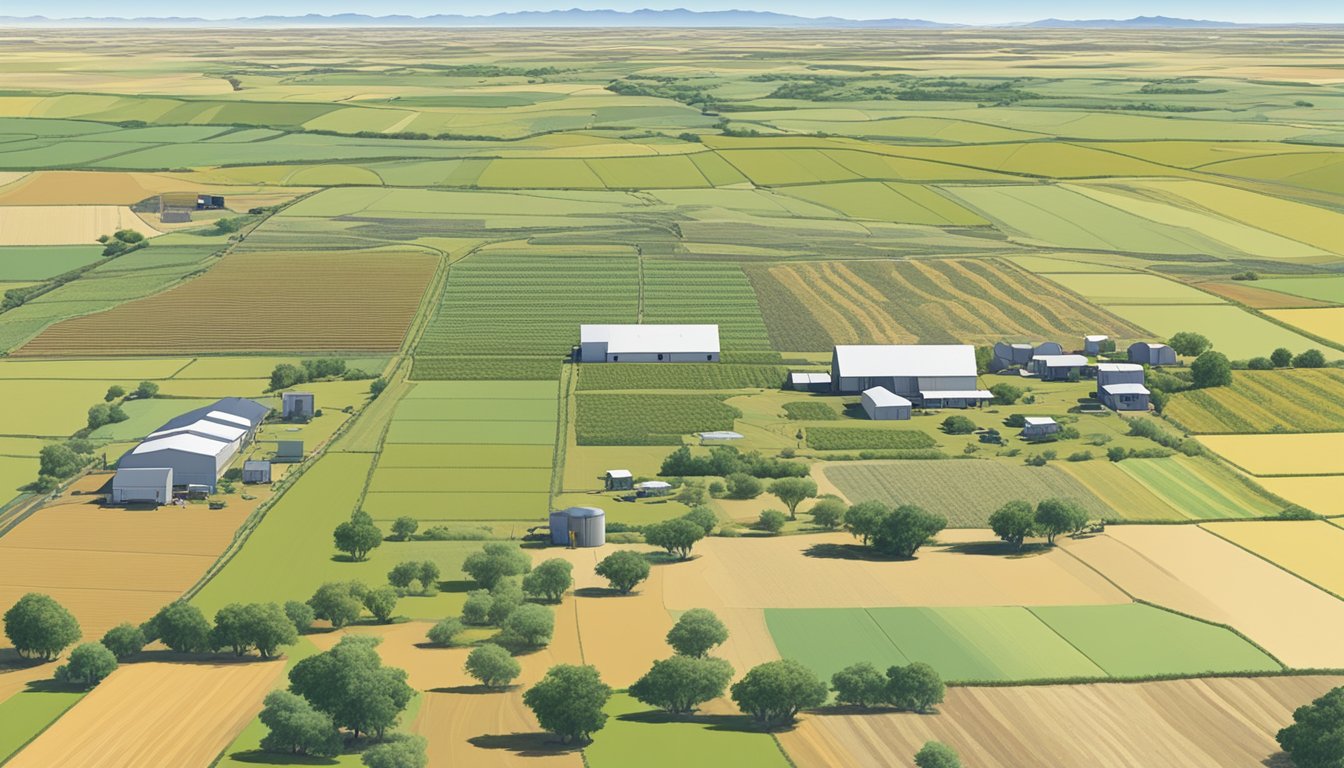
[256, 471]
[1145, 353]
[1059, 367]
[881, 404]
[653, 488]
[297, 406]
[723, 436]
[1093, 345]
[649, 343]
[1124, 397]
[1048, 348]
[1039, 426]
[288, 451]
[618, 480]
[142, 485]
[1118, 373]
[805, 381]
[579, 527]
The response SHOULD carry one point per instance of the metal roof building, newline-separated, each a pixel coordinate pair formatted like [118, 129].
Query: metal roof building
[1124, 397]
[1092, 344]
[883, 405]
[1118, 373]
[150, 485]
[1151, 354]
[204, 428]
[649, 343]
[193, 459]
[1058, 367]
[806, 381]
[1039, 426]
[579, 527]
[937, 374]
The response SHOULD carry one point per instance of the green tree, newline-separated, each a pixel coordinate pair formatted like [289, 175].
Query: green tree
[916, 687]
[569, 702]
[958, 425]
[677, 536]
[1005, 393]
[771, 520]
[286, 375]
[358, 535]
[425, 572]
[114, 392]
[59, 461]
[350, 683]
[492, 666]
[300, 615]
[124, 640]
[906, 529]
[445, 631]
[860, 685]
[404, 527]
[233, 629]
[529, 626]
[624, 570]
[99, 415]
[1312, 358]
[935, 754]
[696, 632]
[476, 609]
[792, 491]
[376, 387]
[182, 627]
[740, 485]
[339, 602]
[703, 517]
[1316, 737]
[1260, 364]
[863, 519]
[495, 561]
[1211, 369]
[146, 389]
[775, 692]
[828, 512]
[1281, 357]
[39, 627]
[682, 683]
[691, 494]
[1189, 344]
[404, 750]
[381, 602]
[296, 728]
[550, 580]
[505, 597]
[88, 664]
[1056, 516]
[1014, 522]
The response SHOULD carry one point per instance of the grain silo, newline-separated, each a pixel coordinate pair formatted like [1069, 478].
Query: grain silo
[579, 527]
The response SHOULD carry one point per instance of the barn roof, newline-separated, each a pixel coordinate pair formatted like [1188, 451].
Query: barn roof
[184, 442]
[883, 397]
[956, 394]
[805, 377]
[157, 475]
[618, 473]
[1118, 367]
[1038, 421]
[234, 410]
[1061, 361]
[206, 428]
[652, 338]
[880, 360]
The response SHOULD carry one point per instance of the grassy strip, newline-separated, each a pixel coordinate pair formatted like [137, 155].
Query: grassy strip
[848, 439]
[485, 369]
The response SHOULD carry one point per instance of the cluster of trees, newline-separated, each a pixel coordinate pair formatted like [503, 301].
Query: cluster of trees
[415, 577]
[507, 579]
[1015, 521]
[238, 627]
[680, 684]
[122, 241]
[286, 375]
[725, 460]
[679, 536]
[61, 461]
[102, 414]
[915, 687]
[1316, 737]
[899, 531]
[1283, 358]
[343, 602]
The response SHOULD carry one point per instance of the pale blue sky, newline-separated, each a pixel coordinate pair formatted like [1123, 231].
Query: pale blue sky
[962, 11]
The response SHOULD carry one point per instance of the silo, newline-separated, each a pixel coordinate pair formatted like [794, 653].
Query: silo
[589, 525]
[560, 528]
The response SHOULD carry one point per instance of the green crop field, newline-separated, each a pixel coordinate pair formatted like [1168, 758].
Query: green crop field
[852, 439]
[811, 410]
[485, 368]
[1198, 488]
[1329, 289]
[648, 419]
[1300, 400]
[44, 261]
[1233, 331]
[702, 376]
[28, 713]
[630, 738]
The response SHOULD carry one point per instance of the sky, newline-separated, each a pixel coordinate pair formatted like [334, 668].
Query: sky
[959, 11]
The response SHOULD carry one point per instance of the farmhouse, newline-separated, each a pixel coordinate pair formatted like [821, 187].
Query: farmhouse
[935, 375]
[1039, 426]
[1124, 397]
[883, 405]
[802, 381]
[1059, 367]
[618, 480]
[297, 406]
[1092, 345]
[649, 343]
[143, 486]
[1151, 354]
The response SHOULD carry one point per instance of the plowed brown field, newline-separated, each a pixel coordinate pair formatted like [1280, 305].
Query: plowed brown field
[1193, 723]
[260, 302]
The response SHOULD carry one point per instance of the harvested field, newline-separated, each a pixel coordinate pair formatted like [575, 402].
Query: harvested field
[65, 224]
[1133, 289]
[939, 486]
[1209, 723]
[1326, 323]
[1316, 454]
[1111, 484]
[351, 301]
[155, 713]
[92, 188]
[1323, 495]
[1308, 548]
[1190, 570]
[1256, 297]
[1297, 400]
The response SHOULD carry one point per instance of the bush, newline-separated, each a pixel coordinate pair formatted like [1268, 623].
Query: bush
[492, 666]
[549, 580]
[114, 392]
[1038, 459]
[1211, 369]
[623, 570]
[300, 615]
[935, 754]
[1281, 357]
[297, 728]
[771, 521]
[381, 602]
[859, 685]
[1015, 420]
[404, 527]
[701, 516]
[1005, 393]
[476, 609]
[124, 640]
[401, 751]
[1116, 453]
[443, 632]
[680, 684]
[1297, 512]
[423, 574]
[828, 512]
[696, 632]
[1260, 364]
[743, 486]
[916, 687]
[1189, 344]
[495, 561]
[528, 626]
[88, 665]
[1312, 358]
[1079, 456]
[676, 536]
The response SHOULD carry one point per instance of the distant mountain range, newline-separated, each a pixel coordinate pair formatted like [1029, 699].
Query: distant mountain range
[575, 17]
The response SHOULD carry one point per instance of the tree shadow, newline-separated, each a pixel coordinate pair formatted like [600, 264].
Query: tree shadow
[732, 723]
[852, 552]
[600, 592]
[457, 586]
[11, 660]
[1278, 760]
[473, 690]
[258, 757]
[663, 558]
[998, 549]
[51, 686]
[524, 744]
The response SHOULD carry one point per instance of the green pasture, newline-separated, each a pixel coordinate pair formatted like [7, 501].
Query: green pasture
[16, 472]
[636, 736]
[827, 640]
[145, 417]
[27, 713]
[454, 506]
[630, 419]
[1133, 289]
[429, 456]
[39, 262]
[476, 409]
[131, 370]
[470, 478]
[488, 432]
[853, 438]
[509, 390]
[1198, 488]
[1324, 288]
[53, 408]
[886, 201]
[1233, 331]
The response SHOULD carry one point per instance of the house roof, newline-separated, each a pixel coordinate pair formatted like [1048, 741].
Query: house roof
[1118, 367]
[1149, 344]
[205, 427]
[653, 338]
[252, 464]
[1125, 389]
[157, 475]
[618, 473]
[1096, 337]
[1038, 421]
[882, 397]
[878, 360]
[1061, 361]
[185, 442]
[956, 394]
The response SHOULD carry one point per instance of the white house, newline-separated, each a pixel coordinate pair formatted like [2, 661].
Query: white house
[935, 375]
[883, 405]
[649, 344]
[149, 485]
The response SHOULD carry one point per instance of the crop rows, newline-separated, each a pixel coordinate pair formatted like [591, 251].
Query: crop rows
[648, 419]
[705, 292]
[853, 439]
[811, 410]
[486, 368]
[1265, 401]
[703, 376]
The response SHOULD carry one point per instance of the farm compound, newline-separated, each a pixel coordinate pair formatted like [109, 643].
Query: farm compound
[649, 343]
[937, 375]
[1120, 386]
[195, 447]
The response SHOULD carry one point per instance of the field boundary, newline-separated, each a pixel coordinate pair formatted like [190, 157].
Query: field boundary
[1277, 564]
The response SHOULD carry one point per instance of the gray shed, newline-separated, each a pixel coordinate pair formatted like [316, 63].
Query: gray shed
[1048, 348]
[298, 406]
[619, 480]
[881, 404]
[1039, 426]
[143, 485]
[1093, 344]
[579, 527]
[1145, 353]
[805, 381]
[288, 450]
[1059, 367]
[256, 471]
[654, 488]
[1124, 397]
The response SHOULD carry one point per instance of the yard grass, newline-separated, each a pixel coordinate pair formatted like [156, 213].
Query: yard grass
[1198, 488]
[635, 736]
[145, 417]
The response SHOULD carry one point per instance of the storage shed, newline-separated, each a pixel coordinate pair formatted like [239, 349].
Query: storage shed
[1124, 397]
[1092, 345]
[1039, 426]
[1059, 367]
[256, 471]
[804, 381]
[579, 527]
[142, 485]
[653, 488]
[297, 406]
[1145, 353]
[618, 480]
[1118, 373]
[881, 404]
[1048, 348]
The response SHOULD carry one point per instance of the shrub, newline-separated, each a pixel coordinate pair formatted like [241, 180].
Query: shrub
[528, 626]
[958, 425]
[1281, 357]
[1211, 369]
[860, 685]
[88, 665]
[1260, 364]
[828, 512]
[476, 609]
[772, 521]
[1297, 512]
[124, 640]
[404, 527]
[1080, 456]
[676, 536]
[402, 750]
[623, 570]
[696, 632]
[549, 580]
[935, 754]
[443, 632]
[495, 561]
[381, 602]
[743, 486]
[701, 516]
[1005, 393]
[680, 684]
[492, 666]
[1312, 358]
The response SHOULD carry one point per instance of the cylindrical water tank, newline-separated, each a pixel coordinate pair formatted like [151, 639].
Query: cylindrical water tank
[560, 528]
[589, 525]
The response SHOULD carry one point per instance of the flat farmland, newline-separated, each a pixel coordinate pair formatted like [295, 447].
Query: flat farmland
[27, 712]
[632, 737]
[154, 713]
[1233, 331]
[1325, 288]
[431, 456]
[42, 262]
[1134, 501]
[606, 419]
[97, 370]
[939, 486]
[59, 407]
[1133, 289]
[1203, 723]
[703, 376]
[704, 292]
[1326, 322]
[439, 479]
[16, 472]
[486, 432]
[65, 224]
[308, 301]
[1298, 400]
[1308, 548]
[1187, 569]
[1309, 454]
[1198, 488]
[147, 416]
[476, 409]
[1255, 297]
[507, 506]
[1323, 495]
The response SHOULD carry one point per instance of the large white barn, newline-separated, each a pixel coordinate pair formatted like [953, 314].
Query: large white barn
[195, 447]
[932, 375]
[649, 344]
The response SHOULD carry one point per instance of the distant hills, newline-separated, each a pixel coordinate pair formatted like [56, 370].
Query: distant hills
[575, 17]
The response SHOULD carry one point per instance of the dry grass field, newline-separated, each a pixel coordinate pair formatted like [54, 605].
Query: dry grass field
[155, 713]
[1211, 723]
[1311, 454]
[1190, 570]
[65, 224]
[1323, 495]
[1309, 548]
[249, 302]
[1327, 323]
[89, 188]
